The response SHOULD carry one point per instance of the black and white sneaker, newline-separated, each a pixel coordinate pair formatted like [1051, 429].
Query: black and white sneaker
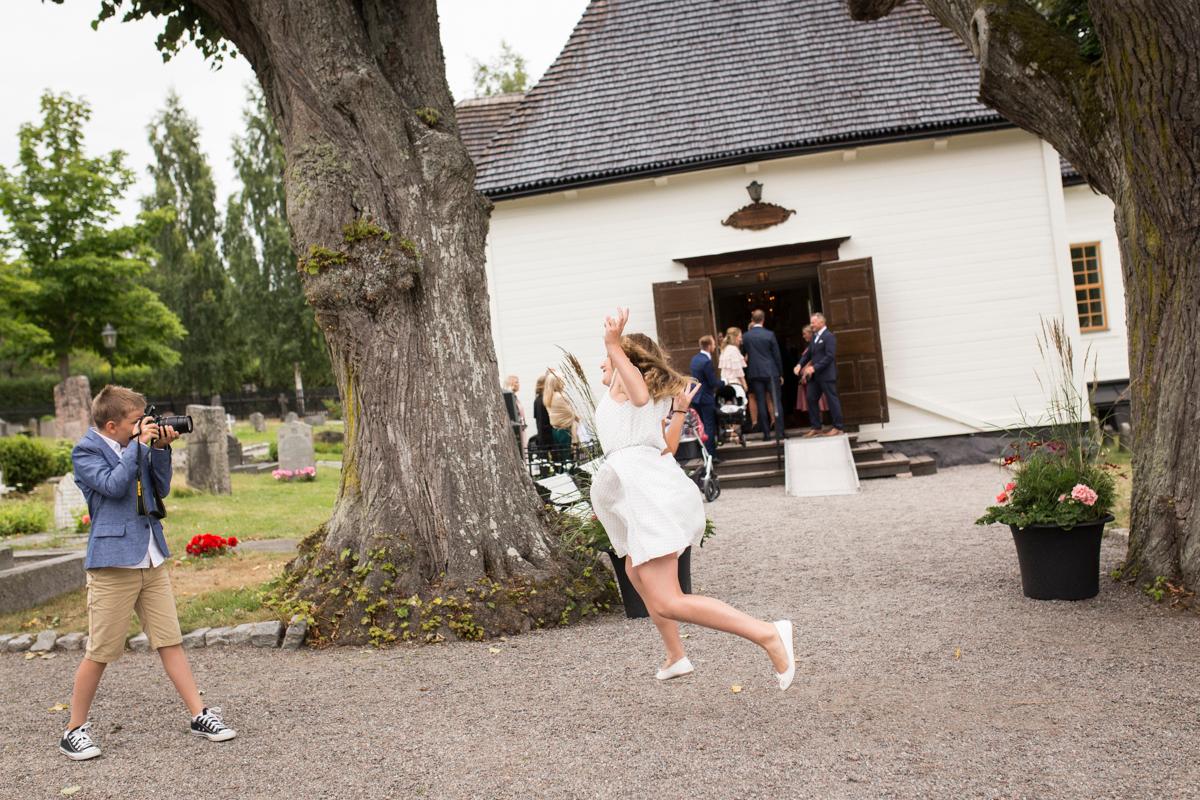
[209, 725]
[77, 743]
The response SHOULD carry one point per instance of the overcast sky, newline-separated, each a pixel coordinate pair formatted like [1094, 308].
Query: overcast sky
[121, 74]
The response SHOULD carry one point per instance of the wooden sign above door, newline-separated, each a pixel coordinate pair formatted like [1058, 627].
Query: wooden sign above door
[757, 216]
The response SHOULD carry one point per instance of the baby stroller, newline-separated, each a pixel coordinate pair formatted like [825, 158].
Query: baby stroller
[731, 414]
[693, 457]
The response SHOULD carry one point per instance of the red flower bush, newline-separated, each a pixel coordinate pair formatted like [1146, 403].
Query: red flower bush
[209, 544]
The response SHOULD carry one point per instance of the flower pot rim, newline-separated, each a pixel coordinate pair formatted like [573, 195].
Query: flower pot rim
[1107, 518]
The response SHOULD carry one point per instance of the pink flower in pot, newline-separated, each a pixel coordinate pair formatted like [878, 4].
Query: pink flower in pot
[1084, 494]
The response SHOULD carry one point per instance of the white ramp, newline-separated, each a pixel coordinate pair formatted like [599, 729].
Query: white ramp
[819, 466]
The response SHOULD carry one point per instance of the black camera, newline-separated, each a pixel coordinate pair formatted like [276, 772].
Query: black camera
[180, 424]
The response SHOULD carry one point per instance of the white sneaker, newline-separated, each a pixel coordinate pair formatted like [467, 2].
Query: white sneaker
[784, 626]
[677, 670]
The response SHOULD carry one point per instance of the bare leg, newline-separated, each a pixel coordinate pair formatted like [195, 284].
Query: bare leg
[660, 579]
[87, 679]
[180, 672]
[668, 629]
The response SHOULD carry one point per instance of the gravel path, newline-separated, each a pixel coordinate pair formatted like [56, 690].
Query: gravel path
[1081, 700]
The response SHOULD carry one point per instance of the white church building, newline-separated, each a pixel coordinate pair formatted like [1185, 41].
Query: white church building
[933, 234]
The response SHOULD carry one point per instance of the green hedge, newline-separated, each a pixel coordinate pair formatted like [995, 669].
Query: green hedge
[18, 517]
[38, 392]
[26, 462]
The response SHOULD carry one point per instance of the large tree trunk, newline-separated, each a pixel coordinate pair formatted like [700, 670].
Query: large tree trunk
[437, 530]
[1130, 124]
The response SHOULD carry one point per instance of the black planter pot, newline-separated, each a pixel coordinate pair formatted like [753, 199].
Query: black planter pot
[634, 607]
[1059, 564]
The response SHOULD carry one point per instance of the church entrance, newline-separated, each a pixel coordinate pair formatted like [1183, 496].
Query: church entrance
[788, 283]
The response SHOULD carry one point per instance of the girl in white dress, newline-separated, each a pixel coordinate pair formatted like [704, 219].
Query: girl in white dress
[650, 510]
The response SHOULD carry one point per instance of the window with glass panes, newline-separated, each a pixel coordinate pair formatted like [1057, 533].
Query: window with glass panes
[1089, 287]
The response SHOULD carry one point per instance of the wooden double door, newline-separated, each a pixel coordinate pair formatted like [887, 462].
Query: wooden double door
[684, 313]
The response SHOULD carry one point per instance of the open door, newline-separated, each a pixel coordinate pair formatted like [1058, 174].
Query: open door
[848, 300]
[684, 313]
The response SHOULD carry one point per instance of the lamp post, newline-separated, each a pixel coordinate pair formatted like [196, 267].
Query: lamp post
[109, 335]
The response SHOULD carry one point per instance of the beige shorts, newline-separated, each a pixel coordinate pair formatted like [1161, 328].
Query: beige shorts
[113, 594]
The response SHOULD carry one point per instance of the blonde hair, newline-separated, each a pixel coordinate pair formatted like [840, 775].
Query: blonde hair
[113, 403]
[807, 329]
[651, 361]
[731, 336]
[553, 385]
[540, 386]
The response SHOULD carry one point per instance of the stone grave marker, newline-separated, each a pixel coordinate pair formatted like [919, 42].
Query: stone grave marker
[292, 416]
[32, 426]
[208, 450]
[315, 419]
[72, 407]
[68, 503]
[258, 422]
[235, 450]
[296, 446]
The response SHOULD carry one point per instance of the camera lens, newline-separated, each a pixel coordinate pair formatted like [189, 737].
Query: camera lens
[180, 424]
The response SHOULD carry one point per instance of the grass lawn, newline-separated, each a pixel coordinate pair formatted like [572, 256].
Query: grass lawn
[259, 508]
[224, 590]
[1124, 479]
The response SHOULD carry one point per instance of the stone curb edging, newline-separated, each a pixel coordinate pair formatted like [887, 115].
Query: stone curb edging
[268, 634]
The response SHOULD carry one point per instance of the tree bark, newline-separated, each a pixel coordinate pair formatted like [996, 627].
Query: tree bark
[1130, 124]
[437, 530]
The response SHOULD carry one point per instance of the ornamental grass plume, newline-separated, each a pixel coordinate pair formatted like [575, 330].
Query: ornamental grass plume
[1058, 477]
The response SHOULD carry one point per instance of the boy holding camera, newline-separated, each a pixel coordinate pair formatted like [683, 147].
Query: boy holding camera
[123, 468]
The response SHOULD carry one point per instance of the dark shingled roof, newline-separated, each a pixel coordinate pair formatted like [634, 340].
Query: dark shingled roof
[479, 118]
[654, 86]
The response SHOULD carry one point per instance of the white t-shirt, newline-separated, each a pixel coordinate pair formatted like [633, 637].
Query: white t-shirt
[153, 556]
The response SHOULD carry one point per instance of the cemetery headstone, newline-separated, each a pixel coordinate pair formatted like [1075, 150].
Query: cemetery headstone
[69, 504]
[72, 407]
[208, 450]
[296, 446]
[291, 416]
[258, 422]
[315, 419]
[32, 426]
[235, 450]
[283, 405]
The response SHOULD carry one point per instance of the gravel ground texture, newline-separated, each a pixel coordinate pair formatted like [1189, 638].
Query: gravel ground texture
[924, 673]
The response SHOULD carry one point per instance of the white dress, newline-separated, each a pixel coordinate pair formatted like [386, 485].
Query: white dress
[648, 506]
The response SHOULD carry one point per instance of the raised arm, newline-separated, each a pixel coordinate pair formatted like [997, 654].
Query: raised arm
[93, 470]
[679, 409]
[631, 377]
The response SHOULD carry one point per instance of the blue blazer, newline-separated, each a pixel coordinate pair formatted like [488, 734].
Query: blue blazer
[762, 354]
[119, 537]
[705, 374]
[823, 356]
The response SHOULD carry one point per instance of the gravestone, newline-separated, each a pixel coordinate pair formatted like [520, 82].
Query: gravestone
[315, 419]
[296, 446]
[32, 426]
[230, 421]
[258, 422]
[208, 450]
[3, 428]
[235, 450]
[72, 407]
[68, 503]
[283, 405]
[291, 416]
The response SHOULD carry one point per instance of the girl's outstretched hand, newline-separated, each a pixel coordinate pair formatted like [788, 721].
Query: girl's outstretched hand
[614, 327]
[683, 400]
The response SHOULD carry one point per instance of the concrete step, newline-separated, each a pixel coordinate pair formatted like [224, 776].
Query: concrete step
[769, 477]
[760, 470]
[741, 466]
[889, 465]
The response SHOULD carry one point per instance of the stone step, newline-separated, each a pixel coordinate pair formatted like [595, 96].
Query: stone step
[889, 465]
[741, 466]
[922, 465]
[761, 471]
[769, 477]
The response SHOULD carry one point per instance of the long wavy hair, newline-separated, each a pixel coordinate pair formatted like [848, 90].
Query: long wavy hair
[651, 361]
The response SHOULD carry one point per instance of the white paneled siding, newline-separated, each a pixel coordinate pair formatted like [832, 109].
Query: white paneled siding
[1090, 219]
[967, 262]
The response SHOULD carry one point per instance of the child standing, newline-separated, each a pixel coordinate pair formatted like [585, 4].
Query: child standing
[123, 468]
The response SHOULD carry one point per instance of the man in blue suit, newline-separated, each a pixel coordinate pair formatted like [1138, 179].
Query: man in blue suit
[818, 366]
[764, 370]
[705, 401]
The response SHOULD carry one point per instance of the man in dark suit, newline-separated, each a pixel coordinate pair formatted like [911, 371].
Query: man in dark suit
[819, 366]
[705, 401]
[764, 370]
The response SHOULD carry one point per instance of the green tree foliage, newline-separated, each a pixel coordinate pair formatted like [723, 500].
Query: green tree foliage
[1073, 17]
[505, 74]
[189, 275]
[270, 308]
[19, 337]
[58, 204]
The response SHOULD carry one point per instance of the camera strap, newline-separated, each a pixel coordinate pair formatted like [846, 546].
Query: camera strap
[160, 509]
